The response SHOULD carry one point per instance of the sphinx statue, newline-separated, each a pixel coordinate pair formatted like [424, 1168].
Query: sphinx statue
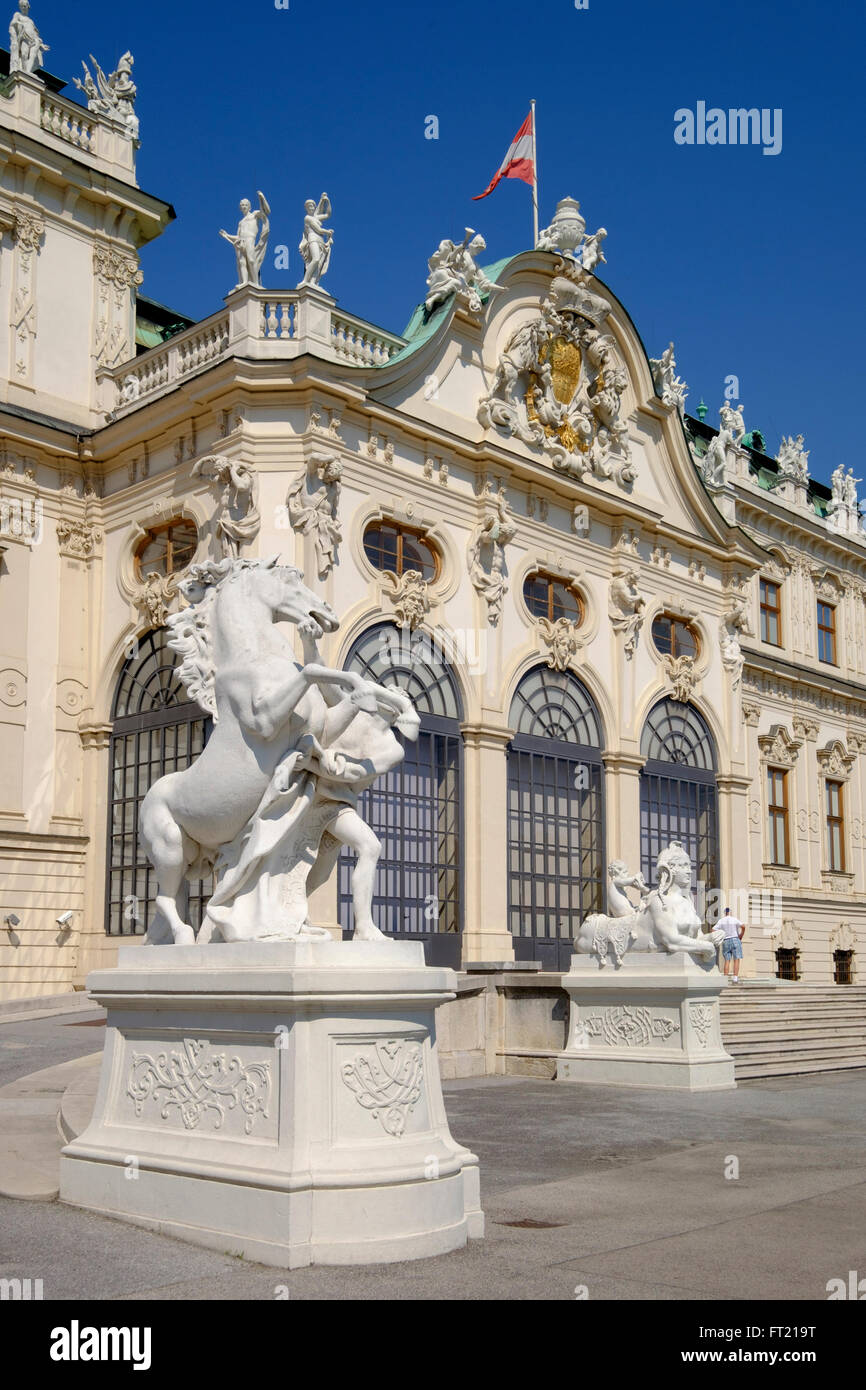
[273, 797]
[664, 918]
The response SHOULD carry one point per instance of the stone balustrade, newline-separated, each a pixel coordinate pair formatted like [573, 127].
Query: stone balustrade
[256, 324]
[69, 122]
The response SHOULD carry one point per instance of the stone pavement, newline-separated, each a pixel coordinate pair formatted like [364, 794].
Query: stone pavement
[615, 1192]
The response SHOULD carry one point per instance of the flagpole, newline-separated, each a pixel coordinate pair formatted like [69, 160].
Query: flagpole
[534, 180]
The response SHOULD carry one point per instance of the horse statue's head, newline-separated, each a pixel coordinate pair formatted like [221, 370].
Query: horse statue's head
[231, 593]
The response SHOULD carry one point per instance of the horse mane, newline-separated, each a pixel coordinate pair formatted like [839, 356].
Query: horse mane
[189, 630]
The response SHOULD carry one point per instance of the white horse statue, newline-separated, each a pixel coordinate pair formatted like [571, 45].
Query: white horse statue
[273, 796]
[663, 920]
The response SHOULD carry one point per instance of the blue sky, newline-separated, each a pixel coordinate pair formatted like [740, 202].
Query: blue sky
[752, 263]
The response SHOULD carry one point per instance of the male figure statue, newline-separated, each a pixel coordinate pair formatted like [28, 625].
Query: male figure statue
[250, 256]
[26, 49]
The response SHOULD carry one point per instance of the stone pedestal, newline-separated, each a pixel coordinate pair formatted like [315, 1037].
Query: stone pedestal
[652, 1022]
[279, 1101]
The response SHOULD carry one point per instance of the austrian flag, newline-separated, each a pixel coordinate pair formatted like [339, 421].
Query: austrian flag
[519, 163]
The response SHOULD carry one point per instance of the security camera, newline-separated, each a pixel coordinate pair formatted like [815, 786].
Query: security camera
[12, 920]
[64, 919]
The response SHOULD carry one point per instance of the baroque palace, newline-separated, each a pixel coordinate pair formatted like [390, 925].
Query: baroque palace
[620, 625]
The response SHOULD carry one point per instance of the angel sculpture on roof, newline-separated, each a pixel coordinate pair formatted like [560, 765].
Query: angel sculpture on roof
[317, 242]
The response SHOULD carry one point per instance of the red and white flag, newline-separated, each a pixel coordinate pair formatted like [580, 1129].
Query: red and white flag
[519, 163]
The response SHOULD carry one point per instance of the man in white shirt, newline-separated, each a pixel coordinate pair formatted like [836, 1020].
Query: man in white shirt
[732, 948]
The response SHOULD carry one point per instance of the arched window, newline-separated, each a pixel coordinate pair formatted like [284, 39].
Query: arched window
[678, 790]
[555, 815]
[155, 729]
[416, 808]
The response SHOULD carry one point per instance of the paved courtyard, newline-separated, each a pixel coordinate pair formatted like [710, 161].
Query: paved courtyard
[589, 1192]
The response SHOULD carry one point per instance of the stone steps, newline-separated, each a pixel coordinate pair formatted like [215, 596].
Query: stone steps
[793, 1030]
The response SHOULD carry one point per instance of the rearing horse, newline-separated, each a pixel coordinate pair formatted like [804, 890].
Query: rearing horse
[278, 727]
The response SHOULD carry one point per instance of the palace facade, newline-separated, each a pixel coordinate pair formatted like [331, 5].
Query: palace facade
[620, 626]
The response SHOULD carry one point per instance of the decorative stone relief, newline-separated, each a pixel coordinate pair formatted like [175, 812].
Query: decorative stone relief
[238, 518]
[197, 1080]
[733, 624]
[835, 762]
[249, 253]
[155, 597]
[751, 713]
[387, 1080]
[701, 1019]
[779, 747]
[843, 938]
[116, 276]
[411, 597]
[805, 728]
[13, 688]
[454, 270]
[788, 937]
[558, 386]
[828, 586]
[28, 229]
[668, 385]
[486, 555]
[680, 671]
[314, 511]
[78, 539]
[562, 640]
[626, 607]
[627, 1026]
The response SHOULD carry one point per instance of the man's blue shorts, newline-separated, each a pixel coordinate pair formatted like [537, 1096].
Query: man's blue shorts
[732, 948]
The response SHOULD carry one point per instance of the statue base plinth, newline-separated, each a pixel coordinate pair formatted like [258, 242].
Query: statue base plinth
[277, 1101]
[652, 1022]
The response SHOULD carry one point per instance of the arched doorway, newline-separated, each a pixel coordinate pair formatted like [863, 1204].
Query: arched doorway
[555, 815]
[416, 808]
[155, 729]
[678, 790]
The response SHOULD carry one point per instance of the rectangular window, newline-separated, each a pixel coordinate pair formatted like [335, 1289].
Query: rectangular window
[835, 827]
[777, 807]
[771, 613]
[843, 972]
[827, 633]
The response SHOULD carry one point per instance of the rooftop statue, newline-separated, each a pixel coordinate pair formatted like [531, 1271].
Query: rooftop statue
[26, 49]
[567, 234]
[672, 389]
[732, 420]
[664, 919]
[793, 459]
[715, 459]
[251, 254]
[112, 96]
[317, 242]
[273, 797]
[843, 509]
[453, 270]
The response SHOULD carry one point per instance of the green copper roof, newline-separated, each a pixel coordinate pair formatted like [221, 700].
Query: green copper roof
[418, 332]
